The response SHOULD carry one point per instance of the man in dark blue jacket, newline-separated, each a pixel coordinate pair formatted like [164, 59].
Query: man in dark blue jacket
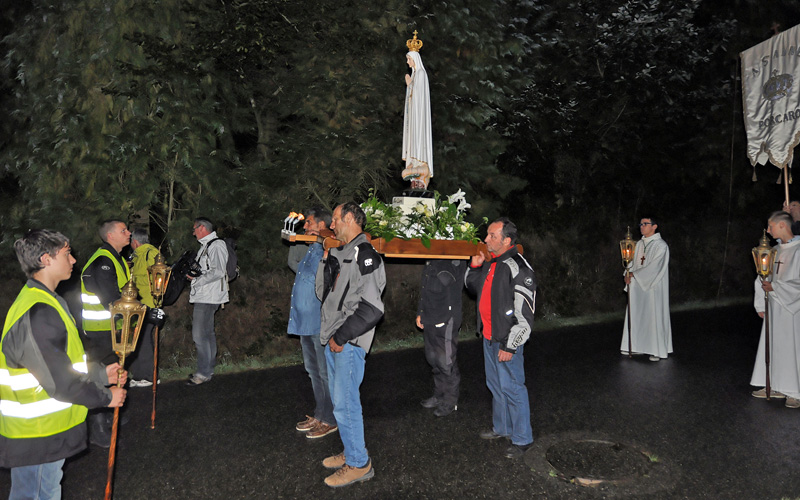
[506, 289]
[304, 321]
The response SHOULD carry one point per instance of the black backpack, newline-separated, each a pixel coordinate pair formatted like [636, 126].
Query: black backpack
[232, 266]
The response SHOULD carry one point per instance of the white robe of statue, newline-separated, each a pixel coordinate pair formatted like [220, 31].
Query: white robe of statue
[784, 324]
[651, 329]
[417, 136]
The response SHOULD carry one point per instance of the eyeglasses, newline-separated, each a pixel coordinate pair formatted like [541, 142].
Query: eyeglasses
[644, 223]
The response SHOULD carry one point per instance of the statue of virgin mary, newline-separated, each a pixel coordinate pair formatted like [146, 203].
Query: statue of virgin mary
[417, 137]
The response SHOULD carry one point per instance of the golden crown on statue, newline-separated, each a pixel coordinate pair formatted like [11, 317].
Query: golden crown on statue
[414, 44]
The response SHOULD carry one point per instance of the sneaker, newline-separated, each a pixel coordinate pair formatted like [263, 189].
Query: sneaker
[490, 434]
[762, 394]
[197, 380]
[517, 450]
[444, 410]
[792, 403]
[348, 475]
[321, 430]
[431, 402]
[334, 462]
[655, 358]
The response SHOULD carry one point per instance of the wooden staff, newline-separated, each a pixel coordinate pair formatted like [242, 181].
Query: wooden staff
[766, 339]
[155, 377]
[630, 348]
[112, 450]
[786, 182]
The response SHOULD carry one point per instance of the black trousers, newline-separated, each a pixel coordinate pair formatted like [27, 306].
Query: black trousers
[441, 347]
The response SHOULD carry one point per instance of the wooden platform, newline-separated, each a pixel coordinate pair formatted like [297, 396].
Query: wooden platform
[406, 249]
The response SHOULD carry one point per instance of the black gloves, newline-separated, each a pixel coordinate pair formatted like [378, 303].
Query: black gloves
[156, 317]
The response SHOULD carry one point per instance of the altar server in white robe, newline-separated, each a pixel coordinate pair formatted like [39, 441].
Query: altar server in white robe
[648, 279]
[784, 316]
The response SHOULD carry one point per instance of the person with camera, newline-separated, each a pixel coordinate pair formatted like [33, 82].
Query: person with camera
[209, 291]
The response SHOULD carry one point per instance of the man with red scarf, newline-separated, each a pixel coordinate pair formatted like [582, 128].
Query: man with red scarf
[505, 286]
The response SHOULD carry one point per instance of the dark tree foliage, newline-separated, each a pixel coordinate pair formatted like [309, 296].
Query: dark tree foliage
[573, 117]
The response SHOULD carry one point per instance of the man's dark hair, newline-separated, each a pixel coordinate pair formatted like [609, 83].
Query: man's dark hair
[206, 223]
[319, 213]
[353, 208]
[509, 229]
[652, 220]
[37, 242]
[106, 226]
[140, 235]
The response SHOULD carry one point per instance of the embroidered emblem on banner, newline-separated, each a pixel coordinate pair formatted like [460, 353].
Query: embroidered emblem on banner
[778, 86]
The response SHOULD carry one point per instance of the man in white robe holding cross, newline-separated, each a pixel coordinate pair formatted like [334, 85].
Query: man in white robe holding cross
[784, 317]
[648, 279]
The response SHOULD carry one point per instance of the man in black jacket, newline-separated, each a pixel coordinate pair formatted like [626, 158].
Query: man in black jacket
[45, 383]
[439, 317]
[506, 289]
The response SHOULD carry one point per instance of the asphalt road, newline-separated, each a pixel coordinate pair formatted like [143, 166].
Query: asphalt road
[692, 416]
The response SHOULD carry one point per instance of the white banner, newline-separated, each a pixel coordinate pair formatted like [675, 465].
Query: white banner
[771, 95]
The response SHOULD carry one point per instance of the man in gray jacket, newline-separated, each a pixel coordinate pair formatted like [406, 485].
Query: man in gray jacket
[209, 291]
[350, 281]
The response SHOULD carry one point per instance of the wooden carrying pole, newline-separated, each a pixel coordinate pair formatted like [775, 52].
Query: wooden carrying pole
[766, 341]
[112, 450]
[630, 348]
[155, 377]
[786, 182]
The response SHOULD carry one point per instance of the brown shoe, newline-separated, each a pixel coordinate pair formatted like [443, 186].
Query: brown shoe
[321, 430]
[349, 475]
[307, 424]
[334, 462]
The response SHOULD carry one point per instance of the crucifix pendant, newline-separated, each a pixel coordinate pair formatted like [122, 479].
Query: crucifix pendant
[778, 267]
[642, 259]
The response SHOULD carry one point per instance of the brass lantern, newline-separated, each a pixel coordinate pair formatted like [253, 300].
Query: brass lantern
[159, 274]
[128, 313]
[764, 257]
[627, 248]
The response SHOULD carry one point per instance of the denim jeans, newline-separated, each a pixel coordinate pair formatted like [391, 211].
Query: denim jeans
[317, 369]
[345, 373]
[37, 482]
[511, 410]
[204, 338]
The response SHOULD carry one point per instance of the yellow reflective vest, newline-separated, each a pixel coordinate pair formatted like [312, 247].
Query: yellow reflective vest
[96, 316]
[26, 410]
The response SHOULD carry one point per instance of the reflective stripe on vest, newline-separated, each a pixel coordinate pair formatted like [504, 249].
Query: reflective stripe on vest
[95, 315]
[26, 410]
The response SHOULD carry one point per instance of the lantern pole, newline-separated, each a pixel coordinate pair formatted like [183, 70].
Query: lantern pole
[131, 313]
[786, 182]
[627, 248]
[764, 257]
[160, 274]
